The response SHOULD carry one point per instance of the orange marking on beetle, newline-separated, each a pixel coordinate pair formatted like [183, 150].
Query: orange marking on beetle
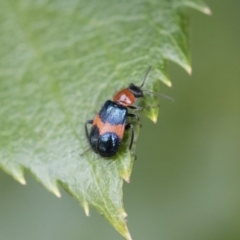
[107, 127]
[125, 97]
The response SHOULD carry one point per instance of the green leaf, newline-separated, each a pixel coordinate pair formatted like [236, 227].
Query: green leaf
[59, 61]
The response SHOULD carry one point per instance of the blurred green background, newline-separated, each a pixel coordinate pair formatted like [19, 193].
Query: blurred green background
[186, 182]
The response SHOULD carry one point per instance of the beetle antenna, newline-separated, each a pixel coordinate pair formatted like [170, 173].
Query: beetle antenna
[166, 97]
[145, 77]
[160, 95]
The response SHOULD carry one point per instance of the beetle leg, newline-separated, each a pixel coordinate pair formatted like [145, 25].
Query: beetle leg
[134, 115]
[127, 126]
[87, 134]
[137, 108]
[137, 118]
[88, 122]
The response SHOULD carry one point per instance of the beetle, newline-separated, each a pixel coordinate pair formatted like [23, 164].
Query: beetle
[110, 123]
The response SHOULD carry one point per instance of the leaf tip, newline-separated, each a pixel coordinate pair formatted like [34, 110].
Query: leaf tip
[127, 179]
[128, 236]
[165, 79]
[152, 113]
[86, 209]
[54, 189]
[57, 193]
[126, 176]
[200, 6]
[153, 116]
[189, 70]
[154, 119]
[207, 11]
[124, 214]
[19, 175]
[169, 84]
[22, 180]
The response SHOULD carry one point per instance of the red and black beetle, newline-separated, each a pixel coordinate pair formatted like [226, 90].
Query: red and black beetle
[108, 126]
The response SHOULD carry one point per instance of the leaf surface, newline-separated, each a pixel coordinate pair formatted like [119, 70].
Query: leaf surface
[59, 61]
